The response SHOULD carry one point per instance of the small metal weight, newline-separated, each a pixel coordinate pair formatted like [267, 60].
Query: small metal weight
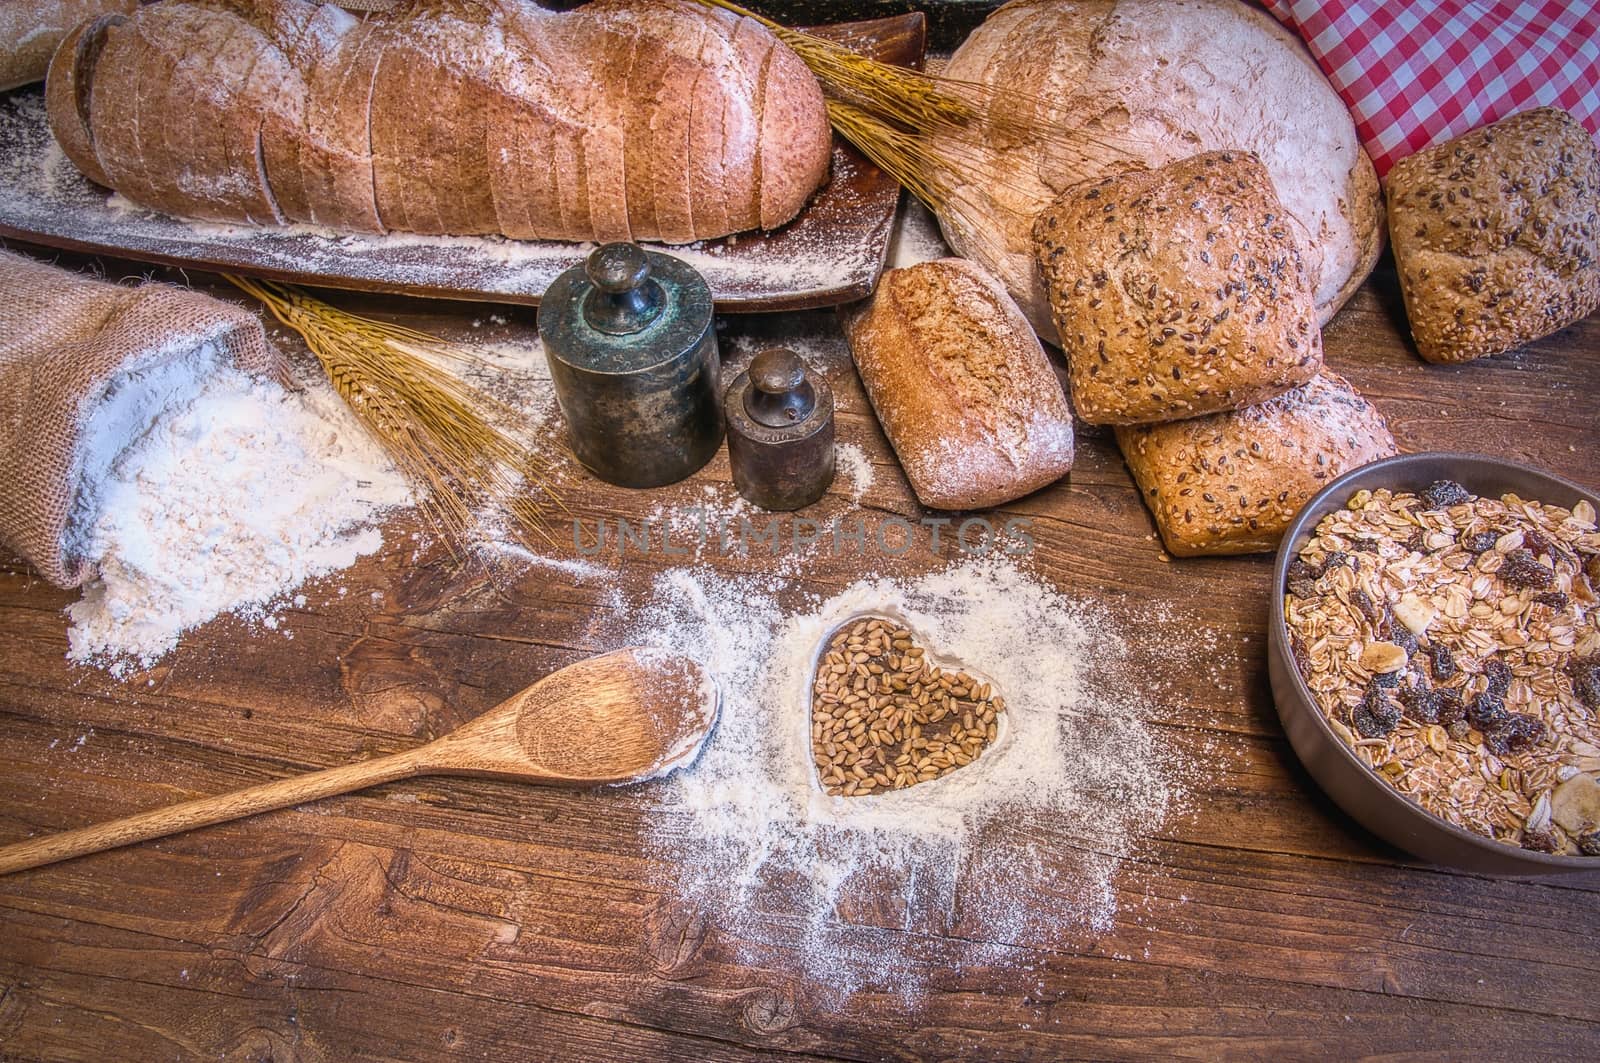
[780, 431]
[633, 357]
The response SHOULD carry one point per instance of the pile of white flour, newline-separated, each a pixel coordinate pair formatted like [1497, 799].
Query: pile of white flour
[206, 491]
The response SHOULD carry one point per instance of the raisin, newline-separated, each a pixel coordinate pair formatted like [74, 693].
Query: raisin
[1537, 543]
[1419, 703]
[1303, 588]
[1417, 543]
[1442, 661]
[1364, 546]
[1480, 542]
[1541, 841]
[1553, 600]
[1401, 636]
[1499, 677]
[1451, 712]
[1522, 571]
[1585, 675]
[1387, 680]
[1302, 660]
[1589, 844]
[1458, 730]
[1376, 716]
[1591, 568]
[1338, 557]
[1485, 712]
[1517, 733]
[1303, 570]
[1442, 494]
[1369, 608]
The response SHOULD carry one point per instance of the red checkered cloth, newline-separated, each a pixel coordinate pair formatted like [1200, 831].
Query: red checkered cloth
[1418, 73]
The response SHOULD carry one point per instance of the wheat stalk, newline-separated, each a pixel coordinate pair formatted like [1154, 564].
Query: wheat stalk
[464, 448]
[937, 136]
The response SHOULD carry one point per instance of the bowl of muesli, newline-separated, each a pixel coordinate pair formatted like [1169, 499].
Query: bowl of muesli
[1434, 652]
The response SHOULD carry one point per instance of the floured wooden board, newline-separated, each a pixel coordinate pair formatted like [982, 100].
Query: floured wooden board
[832, 253]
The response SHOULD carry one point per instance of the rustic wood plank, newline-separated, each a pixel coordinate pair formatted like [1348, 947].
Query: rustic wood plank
[436, 917]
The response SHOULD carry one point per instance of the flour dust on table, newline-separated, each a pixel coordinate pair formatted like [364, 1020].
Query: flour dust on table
[1023, 845]
[206, 491]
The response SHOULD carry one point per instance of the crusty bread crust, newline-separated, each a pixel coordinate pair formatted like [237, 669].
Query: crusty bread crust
[625, 119]
[1177, 291]
[961, 386]
[32, 31]
[1497, 235]
[1146, 82]
[67, 94]
[1230, 483]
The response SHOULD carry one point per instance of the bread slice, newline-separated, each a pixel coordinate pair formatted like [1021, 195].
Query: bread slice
[402, 167]
[1497, 235]
[1177, 291]
[961, 386]
[795, 142]
[185, 39]
[336, 156]
[237, 187]
[1230, 483]
[162, 167]
[677, 42]
[302, 32]
[617, 172]
[518, 131]
[753, 47]
[708, 199]
[112, 95]
[437, 154]
[67, 93]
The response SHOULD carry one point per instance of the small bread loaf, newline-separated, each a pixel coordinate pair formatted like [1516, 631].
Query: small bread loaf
[1231, 482]
[1497, 235]
[1177, 291]
[31, 29]
[961, 385]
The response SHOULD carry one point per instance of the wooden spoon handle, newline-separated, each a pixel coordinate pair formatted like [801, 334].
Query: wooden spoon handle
[203, 811]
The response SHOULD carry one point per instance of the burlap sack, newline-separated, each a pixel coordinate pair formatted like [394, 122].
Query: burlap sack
[64, 338]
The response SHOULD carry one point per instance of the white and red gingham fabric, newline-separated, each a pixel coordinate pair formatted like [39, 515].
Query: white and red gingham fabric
[1418, 72]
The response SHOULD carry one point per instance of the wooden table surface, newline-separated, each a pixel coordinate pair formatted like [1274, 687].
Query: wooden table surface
[459, 918]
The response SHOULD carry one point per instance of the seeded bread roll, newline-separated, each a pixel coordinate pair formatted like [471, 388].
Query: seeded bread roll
[962, 387]
[1497, 235]
[1230, 483]
[1177, 291]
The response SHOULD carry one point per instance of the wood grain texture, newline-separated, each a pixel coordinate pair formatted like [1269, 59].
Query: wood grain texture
[440, 918]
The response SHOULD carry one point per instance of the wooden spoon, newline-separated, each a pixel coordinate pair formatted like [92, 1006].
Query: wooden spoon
[623, 717]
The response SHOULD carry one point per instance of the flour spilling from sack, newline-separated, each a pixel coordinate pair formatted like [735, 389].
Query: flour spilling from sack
[206, 491]
[1021, 847]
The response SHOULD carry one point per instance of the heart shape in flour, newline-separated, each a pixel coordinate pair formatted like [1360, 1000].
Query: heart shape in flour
[885, 715]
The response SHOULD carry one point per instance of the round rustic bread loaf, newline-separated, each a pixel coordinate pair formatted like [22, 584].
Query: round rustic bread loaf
[1146, 82]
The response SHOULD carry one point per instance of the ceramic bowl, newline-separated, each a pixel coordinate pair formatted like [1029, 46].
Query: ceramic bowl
[1354, 787]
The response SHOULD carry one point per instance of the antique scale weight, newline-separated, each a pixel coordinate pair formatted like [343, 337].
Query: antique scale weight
[632, 347]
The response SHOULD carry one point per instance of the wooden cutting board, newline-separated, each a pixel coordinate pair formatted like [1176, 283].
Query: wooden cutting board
[832, 253]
